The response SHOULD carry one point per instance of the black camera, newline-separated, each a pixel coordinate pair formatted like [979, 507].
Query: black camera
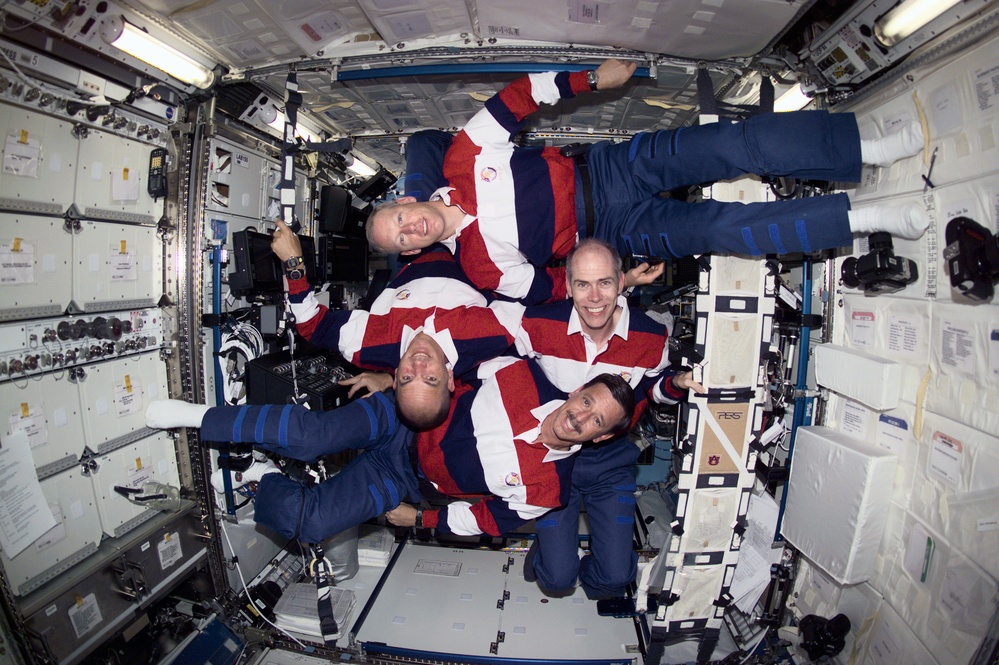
[972, 256]
[879, 271]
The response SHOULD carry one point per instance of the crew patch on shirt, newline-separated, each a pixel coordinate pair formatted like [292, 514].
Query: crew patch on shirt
[488, 174]
[404, 294]
[513, 479]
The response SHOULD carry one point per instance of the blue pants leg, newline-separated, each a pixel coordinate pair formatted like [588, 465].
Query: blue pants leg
[603, 479]
[627, 178]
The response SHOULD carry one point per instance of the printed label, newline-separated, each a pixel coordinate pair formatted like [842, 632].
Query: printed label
[85, 615]
[169, 550]
[945, 458]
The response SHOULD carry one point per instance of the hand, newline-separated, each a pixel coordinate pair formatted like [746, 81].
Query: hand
[685, 381]
[284, 242]
[643, 274]
[613, 73]
[402, 515]
[168, 413]
[374, 382]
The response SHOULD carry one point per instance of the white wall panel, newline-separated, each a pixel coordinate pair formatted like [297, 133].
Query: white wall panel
[152, 459]
[48, 408]
[114, 397]
[116, 266]
[75, 536]
[236, 179]
[39, 162]
[35, 266]
[113, 172]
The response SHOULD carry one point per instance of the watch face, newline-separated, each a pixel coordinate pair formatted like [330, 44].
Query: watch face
[296, 274]
[294, 262]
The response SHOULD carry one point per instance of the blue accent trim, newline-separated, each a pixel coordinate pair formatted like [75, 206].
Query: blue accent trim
[372, 420]
[625, 519]
[258, 432]
[626, 499]
[775, 238]
[393, 491]
[674, 143]
[393, 422]
[802, 230]
[237, 424]
[647, 244]
[550, 522]
[747, 238]
[379, 504]
[627, 242]
[564, 85]
[664, 239]
[283, 426]
[633, 149]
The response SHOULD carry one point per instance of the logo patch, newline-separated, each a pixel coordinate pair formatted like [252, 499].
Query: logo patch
[513, 479]
[488, 174]
[626, 376]
[405, 294]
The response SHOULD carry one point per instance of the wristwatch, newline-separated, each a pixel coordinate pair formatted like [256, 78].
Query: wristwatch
[592, 78]
[295, 267]
[419, 518]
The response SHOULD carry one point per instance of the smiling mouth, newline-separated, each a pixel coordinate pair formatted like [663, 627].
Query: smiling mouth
[571, 424]
[596, 310]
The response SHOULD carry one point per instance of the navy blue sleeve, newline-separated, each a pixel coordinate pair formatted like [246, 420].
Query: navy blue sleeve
[425, 162]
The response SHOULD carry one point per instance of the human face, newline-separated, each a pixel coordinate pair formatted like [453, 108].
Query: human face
[422, 376]
[588, 415]
[594, 284]
[408, 227]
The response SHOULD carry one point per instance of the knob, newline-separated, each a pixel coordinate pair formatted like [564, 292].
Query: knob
[154, 133]
[95, 112]
[131, 345]
[72, 355]
[58, 359]
[16, 366]
[120, 122]
[142, 130]
[72, 108]
[94, 351]
[31, 363]
[50, 335]
[80, 329]
[32, 95]
[110, 347]
[102, 328]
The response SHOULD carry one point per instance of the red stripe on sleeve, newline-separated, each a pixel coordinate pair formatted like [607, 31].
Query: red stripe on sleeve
[518, 98]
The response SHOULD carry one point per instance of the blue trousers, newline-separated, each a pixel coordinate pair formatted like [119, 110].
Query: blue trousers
[372, 483]
[603, 479]
[627, 178]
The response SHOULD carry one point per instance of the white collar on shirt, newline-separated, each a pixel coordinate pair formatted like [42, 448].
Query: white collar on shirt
[531, 435]
[621, 329]
[444, 194]
[443, 339]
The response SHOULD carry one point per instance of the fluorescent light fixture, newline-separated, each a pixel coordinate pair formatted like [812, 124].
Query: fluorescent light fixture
[793, 99]
[359, 168]
[907, 17]
[121, 34]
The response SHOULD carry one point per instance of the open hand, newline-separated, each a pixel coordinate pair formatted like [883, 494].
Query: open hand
[373, 382]
[643, 274]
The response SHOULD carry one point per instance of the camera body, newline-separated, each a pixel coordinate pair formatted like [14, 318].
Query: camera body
[879, 271]
[972, 256]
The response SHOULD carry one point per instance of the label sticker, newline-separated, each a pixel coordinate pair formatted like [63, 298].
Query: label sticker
[439, 568]
[855, 417]
[127, 398]
[169, 550]
[903, 336]
[894, 435]
[957, 346]
[85, 615]
[862, 329]
[945, 458]
[123, 264]
[31, 421]
[17, 262]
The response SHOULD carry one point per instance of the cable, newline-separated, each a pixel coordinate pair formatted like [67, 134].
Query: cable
[239, 570]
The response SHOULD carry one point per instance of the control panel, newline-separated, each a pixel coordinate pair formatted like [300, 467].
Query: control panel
[34, 347]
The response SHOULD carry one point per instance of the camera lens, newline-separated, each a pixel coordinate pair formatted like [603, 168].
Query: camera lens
[849, 272]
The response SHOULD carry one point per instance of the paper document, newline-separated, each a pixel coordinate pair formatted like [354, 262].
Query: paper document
[24, 513]
[752, 573]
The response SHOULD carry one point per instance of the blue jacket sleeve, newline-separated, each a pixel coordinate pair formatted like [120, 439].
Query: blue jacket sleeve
[296, 432]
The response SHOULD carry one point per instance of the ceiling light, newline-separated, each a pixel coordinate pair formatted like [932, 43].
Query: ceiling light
[793, 99]
[121, 34]
[907, 17]
[358, 167]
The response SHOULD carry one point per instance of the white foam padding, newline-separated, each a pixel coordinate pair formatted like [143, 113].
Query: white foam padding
[862, 376]
[837, 502]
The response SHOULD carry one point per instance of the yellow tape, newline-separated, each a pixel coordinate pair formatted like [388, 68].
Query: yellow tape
[128, 383]
[24, 136]
[122, 250]
[16, 247]
[25, 412]
[124, 173]
[138, 464]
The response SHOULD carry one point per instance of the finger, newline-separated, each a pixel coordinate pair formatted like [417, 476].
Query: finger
[350, 381]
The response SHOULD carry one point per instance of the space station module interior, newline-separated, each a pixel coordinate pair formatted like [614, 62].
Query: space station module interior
[831, 495]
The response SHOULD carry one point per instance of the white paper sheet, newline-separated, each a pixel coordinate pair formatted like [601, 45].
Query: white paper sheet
[752, 574]
[24, 513]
